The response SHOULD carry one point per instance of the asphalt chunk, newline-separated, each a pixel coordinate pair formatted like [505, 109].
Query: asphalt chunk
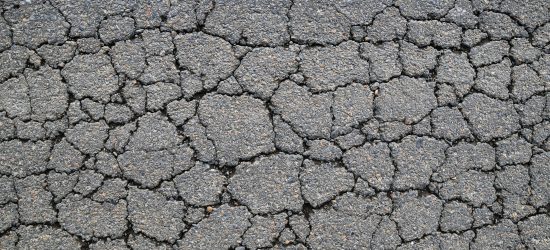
[279, 188]
[224, 228]
[250, 131]
[201, 185]
[91, 76]
[490, 118]
[150, 213]
[87, 218]
[405, 99]
[307, 113]
[322, 182]
[326, 68]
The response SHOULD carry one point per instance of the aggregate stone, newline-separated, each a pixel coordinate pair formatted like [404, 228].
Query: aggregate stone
[180, 111]
[415, 215]
[157, 43]
[182, 15]
[116, 28]
[488, 53]
[322, 182]
[415, 159]
[8, 216]
[119, 136]
[383, 60]
[94, 109]
[7, 190]
[424, 9]
[440, 34]
[525, 82]
[148, 168]
[357, 205]
[387, 26]
[160, 68]
[490, 118]
[221, 230]
[140, 242]
[405, 99]
[14, 98]
[286, 139]
[91, 76]
[322, 150]
[128, 58]
[417, 61]
[206, 55]
[36, 24]
[326, 68]
[118, 113]
[499, 26]
[154, 132]
[30, 130]
[534, 231]
[373, 163]
[474, 187]
[513, 150]
[448, 123]
[494, 80]
[161, 93]
[239, 127]
[264, 230]
[250, 22]
[61, 184]
[87, 218]
[540, 36]
[21, 159]
[151, 214]
[455, 69]
[148, 14]
[473, 37]
[111, 190]
[88, 137]
[465, 156]
[386, 235]
[533, 110]
[307, 113]
[109, 245]
[88, 181]
[352, 105]
[300, 225]
[462, 14]
[539, 183]
[13, 60]
[317, 22]
[262, 69]
[501, 235]
[89, 45]
[5, 34]
[270, 184]
[43, 237]
[333, 230]
[57, 55]
[392, 131]
[456, 216]
[201, 185]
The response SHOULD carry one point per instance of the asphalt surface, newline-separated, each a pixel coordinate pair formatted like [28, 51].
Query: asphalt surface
[375, 124]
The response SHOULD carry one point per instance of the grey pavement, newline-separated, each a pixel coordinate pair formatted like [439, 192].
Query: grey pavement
[287, 124]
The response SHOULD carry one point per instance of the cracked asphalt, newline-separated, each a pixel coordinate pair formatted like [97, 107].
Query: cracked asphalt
[288, 124]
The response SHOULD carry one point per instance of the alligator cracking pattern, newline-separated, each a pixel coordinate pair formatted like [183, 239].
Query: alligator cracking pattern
[256, 124]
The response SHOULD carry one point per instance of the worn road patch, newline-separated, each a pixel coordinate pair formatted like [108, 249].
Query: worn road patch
[288, 124]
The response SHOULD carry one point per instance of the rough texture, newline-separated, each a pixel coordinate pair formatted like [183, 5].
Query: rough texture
[291, 124]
